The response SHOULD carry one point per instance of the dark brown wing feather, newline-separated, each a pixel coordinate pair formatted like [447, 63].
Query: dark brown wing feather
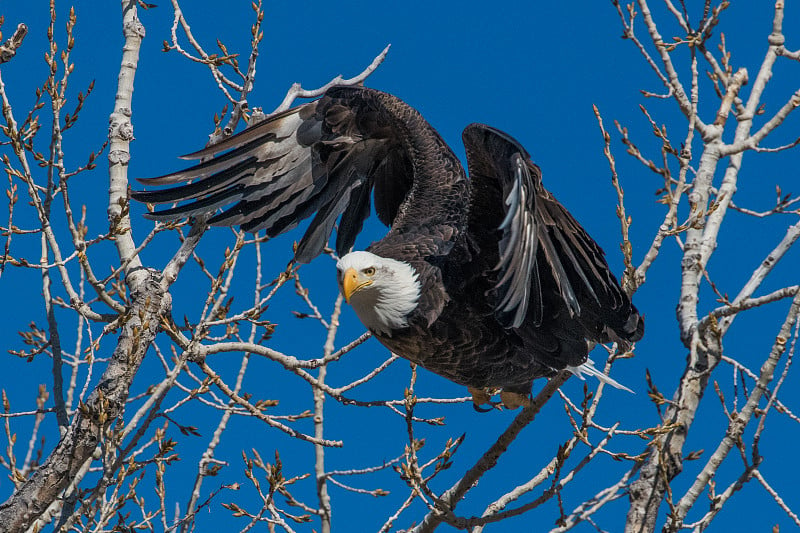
[540, 259]
[323, 158]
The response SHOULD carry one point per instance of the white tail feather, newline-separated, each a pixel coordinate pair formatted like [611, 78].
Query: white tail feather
[589, 369]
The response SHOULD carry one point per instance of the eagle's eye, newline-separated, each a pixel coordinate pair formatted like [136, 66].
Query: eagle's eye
[369, 271]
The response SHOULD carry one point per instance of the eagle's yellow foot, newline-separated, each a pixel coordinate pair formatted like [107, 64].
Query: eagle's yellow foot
[481, 397]
[512, 400]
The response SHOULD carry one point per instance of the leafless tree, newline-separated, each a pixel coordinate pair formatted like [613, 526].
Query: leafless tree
[100, 448]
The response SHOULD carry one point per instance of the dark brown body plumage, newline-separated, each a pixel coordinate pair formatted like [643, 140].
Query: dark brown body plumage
[512, 286]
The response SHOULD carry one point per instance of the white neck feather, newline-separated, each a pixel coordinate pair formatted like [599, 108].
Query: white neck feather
[384, 305]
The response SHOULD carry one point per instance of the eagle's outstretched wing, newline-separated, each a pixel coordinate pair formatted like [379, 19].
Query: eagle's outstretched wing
[325, 157]
[538, 251]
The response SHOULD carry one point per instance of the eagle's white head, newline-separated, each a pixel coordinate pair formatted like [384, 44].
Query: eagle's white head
[382, 291]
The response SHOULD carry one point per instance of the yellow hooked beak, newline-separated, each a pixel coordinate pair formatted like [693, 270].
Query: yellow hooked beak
[351, 283]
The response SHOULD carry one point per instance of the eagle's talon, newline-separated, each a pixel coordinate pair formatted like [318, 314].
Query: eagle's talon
[483, 397]
[479, 397]
[480, 409]
[513, 400]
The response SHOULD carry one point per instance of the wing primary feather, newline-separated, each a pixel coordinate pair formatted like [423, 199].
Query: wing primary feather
[203, 187]
[508, 245]
[285, 123]
[537, 301]
[565, 288]
[512, 201]
[518, 289]
[316, 237]
[577, 266]
[353, 218]
[209, 168]
[204, 205]
[280, 202]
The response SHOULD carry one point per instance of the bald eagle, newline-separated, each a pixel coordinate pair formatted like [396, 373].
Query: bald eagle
[487, 280]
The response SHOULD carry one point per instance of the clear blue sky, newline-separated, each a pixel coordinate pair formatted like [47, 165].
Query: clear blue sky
[533, 69]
